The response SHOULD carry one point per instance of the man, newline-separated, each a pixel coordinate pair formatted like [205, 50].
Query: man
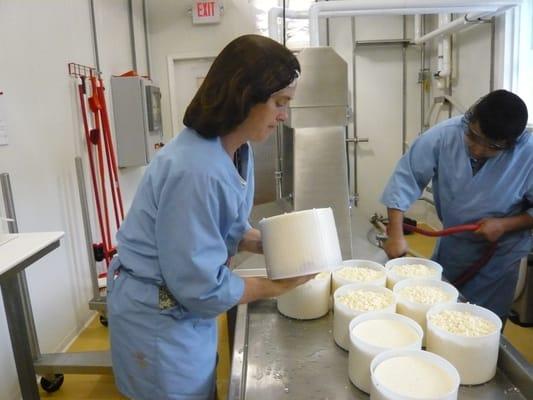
[481, 168]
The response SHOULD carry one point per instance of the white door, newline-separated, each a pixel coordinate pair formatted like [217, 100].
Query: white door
[188, 76]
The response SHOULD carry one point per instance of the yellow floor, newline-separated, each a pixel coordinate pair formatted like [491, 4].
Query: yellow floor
[102, 387]
[521, 338]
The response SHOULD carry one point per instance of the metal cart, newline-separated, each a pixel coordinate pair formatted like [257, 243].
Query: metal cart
[21, 252]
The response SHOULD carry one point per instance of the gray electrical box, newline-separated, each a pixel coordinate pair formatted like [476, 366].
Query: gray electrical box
[137, 112]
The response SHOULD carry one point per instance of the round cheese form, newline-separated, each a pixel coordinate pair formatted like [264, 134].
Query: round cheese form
[413, 377]
[411, 267]
[300, 243]
[365, 300]
[373, 333]
[358, 271]
[412, 374]
[462, 323]
[416, 296]
[468, 336]
[386, 333]
[354, 299]
[307, 301]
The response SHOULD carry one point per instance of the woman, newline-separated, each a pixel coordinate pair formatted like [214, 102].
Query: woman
[170, 279]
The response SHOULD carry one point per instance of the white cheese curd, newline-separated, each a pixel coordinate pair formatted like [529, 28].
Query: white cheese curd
[414, 270]
[387, 333]
[468, 336]
[424, 294]
[366, 300]
[360, 274]
[462, 323]
[414, 377]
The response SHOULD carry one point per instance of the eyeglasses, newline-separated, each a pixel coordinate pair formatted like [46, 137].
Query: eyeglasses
[482, 140]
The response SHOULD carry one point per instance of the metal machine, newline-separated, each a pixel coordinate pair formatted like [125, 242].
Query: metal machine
[314, 167]
[137, 111]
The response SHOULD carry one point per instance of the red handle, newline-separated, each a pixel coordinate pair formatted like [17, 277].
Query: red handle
[444, 232]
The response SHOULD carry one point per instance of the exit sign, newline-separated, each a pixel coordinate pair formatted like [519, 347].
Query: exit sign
[206, 12]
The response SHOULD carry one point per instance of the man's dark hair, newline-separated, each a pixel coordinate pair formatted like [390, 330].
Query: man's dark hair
[502, 115]
[246, 72]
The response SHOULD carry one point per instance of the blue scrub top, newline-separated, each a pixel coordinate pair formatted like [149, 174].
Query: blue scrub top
[188, 215]
[503, 187]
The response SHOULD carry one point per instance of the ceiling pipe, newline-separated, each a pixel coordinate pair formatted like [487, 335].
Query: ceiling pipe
[403, 7]
[444, 55]
[276, 12]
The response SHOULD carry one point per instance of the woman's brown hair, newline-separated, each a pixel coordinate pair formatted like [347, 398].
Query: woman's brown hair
[246, 72]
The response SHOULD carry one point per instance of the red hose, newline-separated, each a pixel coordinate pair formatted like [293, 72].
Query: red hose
[444, 232]
[473, 269]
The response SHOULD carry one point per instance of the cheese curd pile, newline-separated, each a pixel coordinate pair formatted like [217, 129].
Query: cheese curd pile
[462, 323]
[424, 294]
[360, 274]
[414, 270]
[366, 300]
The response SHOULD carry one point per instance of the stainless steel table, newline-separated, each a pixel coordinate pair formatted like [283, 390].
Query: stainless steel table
[275, 357]
[19, 252]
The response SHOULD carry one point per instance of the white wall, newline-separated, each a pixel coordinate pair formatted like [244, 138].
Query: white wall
[38, 40]
[172, 33]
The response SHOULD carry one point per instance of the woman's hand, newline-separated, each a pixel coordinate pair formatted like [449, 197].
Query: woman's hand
[251, 242]
[284, 285]
[263, 288]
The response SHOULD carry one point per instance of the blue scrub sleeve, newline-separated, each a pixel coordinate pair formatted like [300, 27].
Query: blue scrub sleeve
[413, 172]
[192, 251]
[235, 236]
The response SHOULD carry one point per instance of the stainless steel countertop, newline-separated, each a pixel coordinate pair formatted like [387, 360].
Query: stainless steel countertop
[276, 357]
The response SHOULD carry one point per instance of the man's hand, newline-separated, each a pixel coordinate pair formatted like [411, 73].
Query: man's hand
[491, 228]
[395, 247]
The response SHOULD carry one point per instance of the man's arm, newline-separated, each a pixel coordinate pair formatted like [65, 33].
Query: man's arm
[412, 174]
[493, 228]
[396, 245]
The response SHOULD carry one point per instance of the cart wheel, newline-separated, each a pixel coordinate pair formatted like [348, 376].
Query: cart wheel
[103, 320]
[54, 384]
